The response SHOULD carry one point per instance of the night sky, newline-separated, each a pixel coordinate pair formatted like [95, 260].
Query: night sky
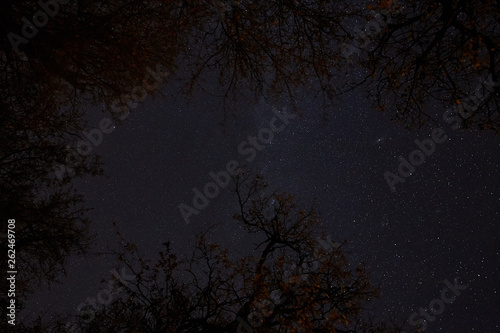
[440, 224]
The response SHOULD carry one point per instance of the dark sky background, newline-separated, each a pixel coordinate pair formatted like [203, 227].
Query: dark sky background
[441, 224]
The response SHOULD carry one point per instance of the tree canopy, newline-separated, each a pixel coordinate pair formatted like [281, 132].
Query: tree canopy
[293, 281]
[438, 53]
[58, 58]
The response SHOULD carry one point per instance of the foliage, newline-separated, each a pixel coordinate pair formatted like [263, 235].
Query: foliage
[290, 279]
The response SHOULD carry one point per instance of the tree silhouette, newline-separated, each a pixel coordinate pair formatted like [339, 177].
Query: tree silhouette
[291, 283]
[438, 52]
[273, 47]
[50, 221]
[87, 51]
[83, 53]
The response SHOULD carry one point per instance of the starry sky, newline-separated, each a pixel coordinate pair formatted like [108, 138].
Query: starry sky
[440, 224]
